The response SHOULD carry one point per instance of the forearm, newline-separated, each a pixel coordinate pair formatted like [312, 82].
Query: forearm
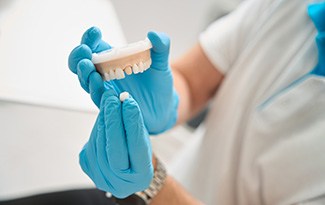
[196, 81]
[173, 193]
[184, 108]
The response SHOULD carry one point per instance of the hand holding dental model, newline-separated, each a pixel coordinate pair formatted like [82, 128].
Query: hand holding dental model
[118, 155]
[151, 87]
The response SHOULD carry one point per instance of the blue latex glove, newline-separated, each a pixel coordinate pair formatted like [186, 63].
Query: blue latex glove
[153, 89]
[316, 12]
[118, 155]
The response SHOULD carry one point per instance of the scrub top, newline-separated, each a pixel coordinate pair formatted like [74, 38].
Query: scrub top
[264, 138]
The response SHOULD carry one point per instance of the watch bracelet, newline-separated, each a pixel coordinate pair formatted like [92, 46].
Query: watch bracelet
[156, 184]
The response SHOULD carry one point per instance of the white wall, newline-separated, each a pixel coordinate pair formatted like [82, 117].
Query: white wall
[182, 20]
[36, 37]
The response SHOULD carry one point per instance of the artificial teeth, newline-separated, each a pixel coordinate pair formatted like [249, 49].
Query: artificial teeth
[141, 68]
[106, 76]
[119, 73]
[135, 69]
[112, 75]
[146, 65]
[128, 70]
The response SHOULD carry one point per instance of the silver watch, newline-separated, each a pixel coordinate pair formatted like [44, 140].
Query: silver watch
[156, 184]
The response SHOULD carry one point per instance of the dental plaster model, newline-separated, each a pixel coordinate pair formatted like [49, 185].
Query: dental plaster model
[113, 63]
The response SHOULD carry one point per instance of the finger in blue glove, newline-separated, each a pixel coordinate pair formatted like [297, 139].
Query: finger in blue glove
[80, 63]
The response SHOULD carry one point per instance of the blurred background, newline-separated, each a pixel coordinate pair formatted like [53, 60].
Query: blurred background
[45, 116]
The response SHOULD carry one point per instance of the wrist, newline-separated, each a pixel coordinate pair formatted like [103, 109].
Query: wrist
[154, 162]
[145, 197]
[156, 184]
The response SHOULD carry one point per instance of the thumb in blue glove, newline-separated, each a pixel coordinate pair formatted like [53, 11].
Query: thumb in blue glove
[118, 155]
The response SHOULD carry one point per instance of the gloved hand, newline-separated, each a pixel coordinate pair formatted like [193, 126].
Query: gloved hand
[118, 155]
[153, 89]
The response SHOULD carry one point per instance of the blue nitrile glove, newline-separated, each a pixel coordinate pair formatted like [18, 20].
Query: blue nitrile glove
[316, 12]
[153, 89]
[118, 155]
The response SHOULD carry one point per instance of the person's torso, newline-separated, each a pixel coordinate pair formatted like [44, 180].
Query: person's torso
[243, 125]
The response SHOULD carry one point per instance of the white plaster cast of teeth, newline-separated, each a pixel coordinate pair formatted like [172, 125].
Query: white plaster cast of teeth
[134, 57]
[119, 73]
[107, 77]
[141, 66]
[124, 96]
[135, 69]
[112, 74]
[128, 70]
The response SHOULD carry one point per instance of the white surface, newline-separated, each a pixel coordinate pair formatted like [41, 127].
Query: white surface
[121, 52]
[36, 37]
[39, 149]
[252, 154]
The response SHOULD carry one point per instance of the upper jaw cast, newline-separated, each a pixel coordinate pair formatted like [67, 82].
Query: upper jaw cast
[117, 69]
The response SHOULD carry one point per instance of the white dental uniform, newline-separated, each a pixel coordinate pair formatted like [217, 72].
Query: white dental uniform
[264, 140]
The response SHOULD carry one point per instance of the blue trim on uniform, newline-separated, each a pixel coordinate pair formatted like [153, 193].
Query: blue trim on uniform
[282, 91]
